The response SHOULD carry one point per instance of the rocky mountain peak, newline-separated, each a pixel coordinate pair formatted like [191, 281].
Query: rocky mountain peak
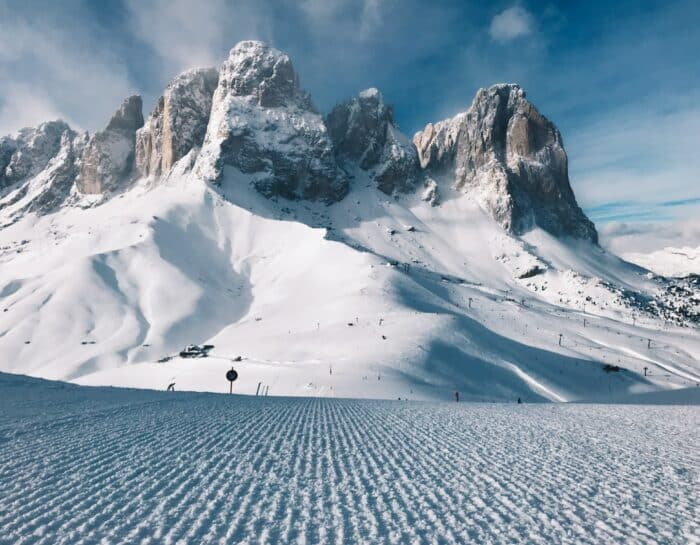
[511, 159]
[178, 123]
[358, 127]
[264, 125]
[253, 116]
[109, 155]
[128, 117]
[263, 73]
[363, 131]
[27, 153]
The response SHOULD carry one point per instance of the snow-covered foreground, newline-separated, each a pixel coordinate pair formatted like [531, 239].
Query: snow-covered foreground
[96, 465]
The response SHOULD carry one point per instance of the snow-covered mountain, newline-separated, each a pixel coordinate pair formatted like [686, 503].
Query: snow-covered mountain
[326, 255]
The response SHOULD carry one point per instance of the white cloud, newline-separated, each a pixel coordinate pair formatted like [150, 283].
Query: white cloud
[512, 23]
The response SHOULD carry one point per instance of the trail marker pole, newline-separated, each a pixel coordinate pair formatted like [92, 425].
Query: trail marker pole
[231, 376]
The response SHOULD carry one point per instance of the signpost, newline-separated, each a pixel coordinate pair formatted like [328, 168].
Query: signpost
[231, 375]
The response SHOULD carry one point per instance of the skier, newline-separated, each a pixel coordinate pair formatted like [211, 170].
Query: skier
[456, 396]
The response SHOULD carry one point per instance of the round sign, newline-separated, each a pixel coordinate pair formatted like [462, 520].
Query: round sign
[231, 375]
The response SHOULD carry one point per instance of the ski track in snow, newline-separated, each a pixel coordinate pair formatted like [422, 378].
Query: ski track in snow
[91, 465]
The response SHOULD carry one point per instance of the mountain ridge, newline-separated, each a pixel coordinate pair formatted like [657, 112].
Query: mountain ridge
[246, 96]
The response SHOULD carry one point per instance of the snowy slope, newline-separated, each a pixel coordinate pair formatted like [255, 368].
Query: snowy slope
[368, 297]
[83, 466]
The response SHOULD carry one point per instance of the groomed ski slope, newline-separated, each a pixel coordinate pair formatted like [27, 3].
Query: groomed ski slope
[97, 465]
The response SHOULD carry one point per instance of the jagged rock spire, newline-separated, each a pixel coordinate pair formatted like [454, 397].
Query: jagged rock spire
[109, 155]
[178, 123]
[252, 115]
[29, 151]
[511, 159]
[363, 130]
[263, 124]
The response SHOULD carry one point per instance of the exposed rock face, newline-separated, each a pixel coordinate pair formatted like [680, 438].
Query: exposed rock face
[363, 130]
[7, 148]
[511, 159]
[28, 153]
[109, 155]
[178, 123]
[263, 124]
[56, 182]
[47, 190]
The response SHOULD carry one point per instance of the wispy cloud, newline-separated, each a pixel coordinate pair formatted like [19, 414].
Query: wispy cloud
[355, 21]
[645, 152]
[46, 72]
[371, 18]
[645, 237]
[514, 22]
[23, 105]
[681, 202]
[188, 33]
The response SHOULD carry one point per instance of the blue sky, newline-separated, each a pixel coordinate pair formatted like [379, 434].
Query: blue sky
[621, 79]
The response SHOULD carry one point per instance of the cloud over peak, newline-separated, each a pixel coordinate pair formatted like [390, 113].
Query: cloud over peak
[511, 23]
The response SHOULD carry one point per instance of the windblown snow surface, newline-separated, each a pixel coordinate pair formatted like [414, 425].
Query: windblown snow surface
[85, 465]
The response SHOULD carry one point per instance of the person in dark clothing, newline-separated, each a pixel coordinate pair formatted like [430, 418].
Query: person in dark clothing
[456, 396]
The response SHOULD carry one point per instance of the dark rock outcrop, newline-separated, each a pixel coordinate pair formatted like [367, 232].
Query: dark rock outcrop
[363, 131]
[28, 153]
[60, 175]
